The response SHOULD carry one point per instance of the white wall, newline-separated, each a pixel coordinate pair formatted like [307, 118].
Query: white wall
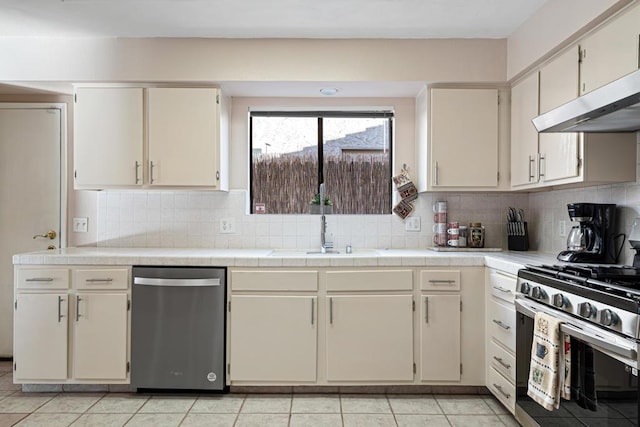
[556, 22]
[216, 60]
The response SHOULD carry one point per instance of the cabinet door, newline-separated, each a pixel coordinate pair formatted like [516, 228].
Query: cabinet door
[108, 137]
[611, 52]
[273, 338]
[100, 336]
[370, 338]
[464, 137]
[559, 152]
[440, 338]
[40, 336]
[524, 136]
[183, 144]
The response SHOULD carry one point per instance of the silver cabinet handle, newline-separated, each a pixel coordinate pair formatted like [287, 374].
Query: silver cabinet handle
[501, 289]
[426, 309]
[502, 392]
[151, 166]
[531, 175]
[541, 157]
[78, 299]
[40, 279]
[436, 180]
[151, 281]
[60, 315]
[137, 175]
[443, 282]
[312, 312]
[106, 279]
[502, 325]
[331, 311]
[500, 361]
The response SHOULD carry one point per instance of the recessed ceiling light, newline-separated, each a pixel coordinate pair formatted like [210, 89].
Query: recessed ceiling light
[328, 91]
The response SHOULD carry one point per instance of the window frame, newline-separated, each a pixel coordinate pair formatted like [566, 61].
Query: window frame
[320, 115]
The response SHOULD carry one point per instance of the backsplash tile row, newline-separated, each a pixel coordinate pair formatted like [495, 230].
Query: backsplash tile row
[191, 219]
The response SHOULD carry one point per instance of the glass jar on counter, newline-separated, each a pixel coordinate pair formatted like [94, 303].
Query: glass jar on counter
[463, 236]
[476, 235]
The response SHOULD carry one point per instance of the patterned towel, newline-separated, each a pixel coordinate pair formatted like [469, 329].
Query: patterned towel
[550, 362]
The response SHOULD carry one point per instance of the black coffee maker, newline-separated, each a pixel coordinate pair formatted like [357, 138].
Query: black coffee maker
[592, 240]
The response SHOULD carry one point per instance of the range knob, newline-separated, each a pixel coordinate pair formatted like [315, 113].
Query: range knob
[538, 293]
[560, 301]
[525, 287]
[587, 310]
[608, 318]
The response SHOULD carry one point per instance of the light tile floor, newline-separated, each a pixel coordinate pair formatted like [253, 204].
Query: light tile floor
[239, 410]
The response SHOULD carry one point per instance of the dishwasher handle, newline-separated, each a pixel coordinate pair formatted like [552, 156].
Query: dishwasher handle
[148, 281]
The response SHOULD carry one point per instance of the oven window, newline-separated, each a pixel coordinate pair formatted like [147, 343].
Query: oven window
[612, 401]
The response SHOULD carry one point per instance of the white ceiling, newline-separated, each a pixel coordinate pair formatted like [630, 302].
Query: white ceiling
[266, 18]
[263, 19]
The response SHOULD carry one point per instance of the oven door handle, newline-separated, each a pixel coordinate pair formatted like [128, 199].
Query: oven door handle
[577, 332]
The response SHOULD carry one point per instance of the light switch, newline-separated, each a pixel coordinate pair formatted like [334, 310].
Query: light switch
[412, 223]
[227, 226]
[80, 225]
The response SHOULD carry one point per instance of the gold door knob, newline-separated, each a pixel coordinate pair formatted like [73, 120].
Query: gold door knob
[48, 235]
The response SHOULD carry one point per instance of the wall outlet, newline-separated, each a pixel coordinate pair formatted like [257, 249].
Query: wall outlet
[562, 228]
[412, 223]
[80, 225]
[227, 226]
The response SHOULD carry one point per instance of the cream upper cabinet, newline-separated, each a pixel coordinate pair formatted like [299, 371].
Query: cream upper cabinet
[464, 138]
[524, 136]
[108, 137]
[183, 136]
[273, 338]
[132, 137]
[559, 152]
[611, 52]
[369, 338]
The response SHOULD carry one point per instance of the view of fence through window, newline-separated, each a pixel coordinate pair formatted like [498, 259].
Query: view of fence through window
[286, 151]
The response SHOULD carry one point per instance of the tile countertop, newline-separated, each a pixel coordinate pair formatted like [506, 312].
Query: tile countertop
[509, 261]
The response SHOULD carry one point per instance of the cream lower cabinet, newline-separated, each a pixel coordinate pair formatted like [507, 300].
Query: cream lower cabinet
[501, 324]
[273, 338]
[440, 338]
[369, 338]
[71, 325]
[273, 326]
[40, 331]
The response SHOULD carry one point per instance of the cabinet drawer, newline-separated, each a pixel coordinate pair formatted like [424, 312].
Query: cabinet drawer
[101, 278]
[268, 280]
[370, 280]
[502, 324]
[502, 389]
[503, 285]
[440, 280]
[502, 361]
[43, 278]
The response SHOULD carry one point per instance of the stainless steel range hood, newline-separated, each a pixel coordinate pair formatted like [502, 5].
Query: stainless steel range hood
[614, 107]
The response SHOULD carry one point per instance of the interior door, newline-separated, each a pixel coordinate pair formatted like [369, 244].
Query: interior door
[30, 168]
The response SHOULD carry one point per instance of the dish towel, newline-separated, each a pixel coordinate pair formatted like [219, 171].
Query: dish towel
[549, 371]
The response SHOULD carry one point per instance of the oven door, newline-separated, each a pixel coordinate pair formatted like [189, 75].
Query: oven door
[613, 398]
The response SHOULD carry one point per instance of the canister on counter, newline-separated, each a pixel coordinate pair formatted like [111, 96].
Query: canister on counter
[476, 235]
[463, 236]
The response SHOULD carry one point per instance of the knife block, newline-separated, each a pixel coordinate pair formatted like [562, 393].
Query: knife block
[518, 241]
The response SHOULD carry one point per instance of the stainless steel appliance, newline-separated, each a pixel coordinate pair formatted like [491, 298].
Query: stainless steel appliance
[178, 328]
[614, 107]
[600, 308]
[592, 240]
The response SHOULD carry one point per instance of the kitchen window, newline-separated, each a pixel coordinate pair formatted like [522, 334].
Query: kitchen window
[292, 152]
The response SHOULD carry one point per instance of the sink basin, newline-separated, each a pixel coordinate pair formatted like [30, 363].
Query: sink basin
[312, 253]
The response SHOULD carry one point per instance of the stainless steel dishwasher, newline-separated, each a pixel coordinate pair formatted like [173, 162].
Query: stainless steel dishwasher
[178, 328]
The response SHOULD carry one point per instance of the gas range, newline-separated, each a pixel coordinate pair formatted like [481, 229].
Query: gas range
[607, 296]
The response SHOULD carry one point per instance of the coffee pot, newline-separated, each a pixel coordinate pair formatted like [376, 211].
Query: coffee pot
[581, 238]
[592, 239]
